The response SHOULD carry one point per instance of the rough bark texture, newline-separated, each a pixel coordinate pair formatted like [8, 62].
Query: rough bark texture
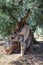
[23, 36]
[21, 40]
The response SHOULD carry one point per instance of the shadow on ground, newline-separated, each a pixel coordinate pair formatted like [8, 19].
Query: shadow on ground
[34, 57]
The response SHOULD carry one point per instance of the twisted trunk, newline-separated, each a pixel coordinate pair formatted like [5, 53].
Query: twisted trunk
[25, 37]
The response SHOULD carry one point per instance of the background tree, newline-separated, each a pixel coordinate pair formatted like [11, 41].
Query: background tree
[12, 11]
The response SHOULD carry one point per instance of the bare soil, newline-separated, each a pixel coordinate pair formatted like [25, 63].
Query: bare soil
[31, 57]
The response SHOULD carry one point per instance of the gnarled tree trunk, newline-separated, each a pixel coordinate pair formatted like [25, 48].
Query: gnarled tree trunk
[23, 37]
[21, 40]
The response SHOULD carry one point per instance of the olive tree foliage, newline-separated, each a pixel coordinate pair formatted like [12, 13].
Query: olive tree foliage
[12, 11]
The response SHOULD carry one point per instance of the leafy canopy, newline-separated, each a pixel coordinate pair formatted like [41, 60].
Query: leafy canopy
[12, 11]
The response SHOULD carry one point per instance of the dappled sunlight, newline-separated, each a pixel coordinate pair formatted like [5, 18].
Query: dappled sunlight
[34, 57]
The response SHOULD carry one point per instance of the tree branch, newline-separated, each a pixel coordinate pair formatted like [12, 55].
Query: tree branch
[23, 20]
